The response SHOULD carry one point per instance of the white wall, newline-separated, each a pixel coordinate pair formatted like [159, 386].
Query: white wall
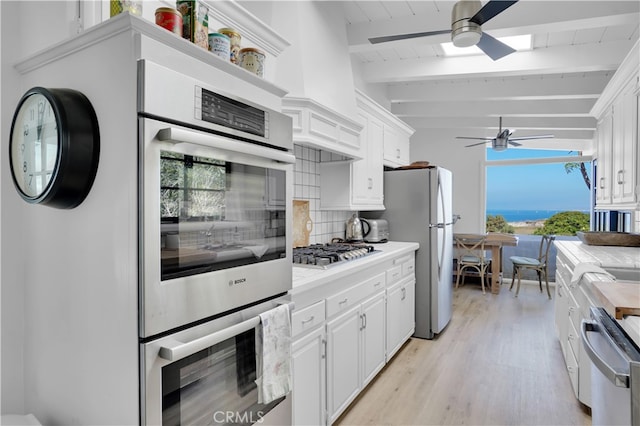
[440, 148]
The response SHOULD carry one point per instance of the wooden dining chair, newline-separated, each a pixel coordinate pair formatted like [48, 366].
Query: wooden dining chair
[540, 264]
[471, 254]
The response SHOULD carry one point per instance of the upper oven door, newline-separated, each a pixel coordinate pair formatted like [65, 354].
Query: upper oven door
[215, 217]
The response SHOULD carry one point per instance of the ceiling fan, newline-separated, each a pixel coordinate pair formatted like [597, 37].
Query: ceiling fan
[467, 18]
[503, 139]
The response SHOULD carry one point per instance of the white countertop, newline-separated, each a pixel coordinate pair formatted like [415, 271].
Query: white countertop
[603, 256]
[307, 278]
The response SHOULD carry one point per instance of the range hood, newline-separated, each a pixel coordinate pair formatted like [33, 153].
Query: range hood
[316, 71]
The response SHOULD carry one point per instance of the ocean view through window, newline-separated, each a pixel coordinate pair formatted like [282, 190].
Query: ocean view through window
[526, 187]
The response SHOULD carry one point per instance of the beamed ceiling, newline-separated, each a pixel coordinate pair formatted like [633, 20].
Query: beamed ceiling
[577, 46]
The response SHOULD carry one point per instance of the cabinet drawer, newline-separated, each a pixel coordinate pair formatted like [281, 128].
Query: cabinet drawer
[573, 337]
[394, 274]
[575, 315]
[307, 318]
[409, 267]
[563, 270]
[572, 369]
[343, 300]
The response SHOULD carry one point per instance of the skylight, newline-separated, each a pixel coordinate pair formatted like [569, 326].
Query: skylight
[520, 43]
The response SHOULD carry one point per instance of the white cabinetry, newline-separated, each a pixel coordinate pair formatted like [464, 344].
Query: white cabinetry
[355, 341]
[342, 331]
[308, 353]
[568, 316]
[358, 185]
[396, 147]
[343, 355]
[618, 180]
[400, 314]
[401, 285]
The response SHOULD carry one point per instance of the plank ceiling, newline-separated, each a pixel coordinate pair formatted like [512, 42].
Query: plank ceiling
[577, 46]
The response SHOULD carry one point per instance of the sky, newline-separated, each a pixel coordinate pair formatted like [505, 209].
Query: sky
[536, 186]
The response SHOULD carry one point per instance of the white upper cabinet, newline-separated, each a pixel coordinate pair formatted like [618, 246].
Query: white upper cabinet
[618, 181]
[358, 185]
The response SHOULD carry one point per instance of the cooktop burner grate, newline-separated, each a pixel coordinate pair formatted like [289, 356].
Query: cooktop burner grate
[325, 255]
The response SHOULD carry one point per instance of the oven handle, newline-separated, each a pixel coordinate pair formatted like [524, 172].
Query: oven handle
[179, 350]
[175, 135]
[617, 378]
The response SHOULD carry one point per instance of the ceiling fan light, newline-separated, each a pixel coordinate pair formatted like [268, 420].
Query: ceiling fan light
[466, 37]
[499, 144]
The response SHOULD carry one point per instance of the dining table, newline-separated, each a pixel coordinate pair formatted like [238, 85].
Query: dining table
[494, 242]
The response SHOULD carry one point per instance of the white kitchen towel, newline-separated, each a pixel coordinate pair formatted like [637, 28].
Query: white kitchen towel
[273, 354]
[586, 267]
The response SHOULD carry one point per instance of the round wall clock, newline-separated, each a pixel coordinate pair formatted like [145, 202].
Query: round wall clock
[54, 147]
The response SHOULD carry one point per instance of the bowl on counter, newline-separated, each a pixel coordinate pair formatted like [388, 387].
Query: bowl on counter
[622, 239]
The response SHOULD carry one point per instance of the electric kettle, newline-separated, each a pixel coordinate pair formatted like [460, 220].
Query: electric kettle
[355, 229]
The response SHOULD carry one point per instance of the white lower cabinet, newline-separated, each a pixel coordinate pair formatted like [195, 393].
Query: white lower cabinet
[342, 335]
[343, 356]
[355, 351]
[373, 337]
[308, 352]
[400, 314]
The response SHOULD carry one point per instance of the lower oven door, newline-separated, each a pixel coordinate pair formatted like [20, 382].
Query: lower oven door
[205, 375]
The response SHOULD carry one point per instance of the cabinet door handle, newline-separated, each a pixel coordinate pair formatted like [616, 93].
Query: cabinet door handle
[323, 355]
[620, 177]
[601, 183]
[370, 181]
[404, 293]
[364, 321]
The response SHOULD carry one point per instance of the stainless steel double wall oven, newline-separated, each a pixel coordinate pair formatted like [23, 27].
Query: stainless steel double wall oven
[215, 247]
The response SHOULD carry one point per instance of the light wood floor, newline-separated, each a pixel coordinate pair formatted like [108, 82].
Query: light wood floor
[498, 362]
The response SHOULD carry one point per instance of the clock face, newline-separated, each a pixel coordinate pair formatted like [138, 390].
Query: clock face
[34, 145]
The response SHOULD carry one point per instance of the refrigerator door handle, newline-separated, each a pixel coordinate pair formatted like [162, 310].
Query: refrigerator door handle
[437, 225]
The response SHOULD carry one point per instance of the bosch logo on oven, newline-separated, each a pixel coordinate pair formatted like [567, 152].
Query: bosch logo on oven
[236, 282]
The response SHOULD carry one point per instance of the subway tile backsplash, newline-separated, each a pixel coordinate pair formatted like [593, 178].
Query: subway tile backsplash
[327, 224]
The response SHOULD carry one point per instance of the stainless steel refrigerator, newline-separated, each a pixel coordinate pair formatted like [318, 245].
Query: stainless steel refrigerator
[418, 208]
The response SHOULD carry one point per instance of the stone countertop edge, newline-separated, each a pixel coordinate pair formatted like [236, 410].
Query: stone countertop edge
[305, 279]
[603, 256]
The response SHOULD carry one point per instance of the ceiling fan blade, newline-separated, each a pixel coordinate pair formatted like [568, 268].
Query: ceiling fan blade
[494, 48]
[514, 143]
[476, 144]
[490, 10]
[525, 138]
[477, 139]
[384, 39]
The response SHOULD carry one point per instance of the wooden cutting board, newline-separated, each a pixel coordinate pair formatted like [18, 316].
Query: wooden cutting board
[302, 224]
[619, 298]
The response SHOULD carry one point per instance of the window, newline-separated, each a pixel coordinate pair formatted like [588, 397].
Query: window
[527, 186]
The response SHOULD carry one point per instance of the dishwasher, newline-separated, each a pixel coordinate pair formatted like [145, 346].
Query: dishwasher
[615, 373]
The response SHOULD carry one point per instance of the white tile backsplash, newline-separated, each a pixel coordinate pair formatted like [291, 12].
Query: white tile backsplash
[327, 224]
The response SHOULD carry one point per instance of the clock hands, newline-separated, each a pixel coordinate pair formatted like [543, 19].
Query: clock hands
[40, 119]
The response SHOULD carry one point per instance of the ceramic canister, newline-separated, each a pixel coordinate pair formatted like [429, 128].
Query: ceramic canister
[252, 59]
[220, 45]
[234, 38]
[169, 19]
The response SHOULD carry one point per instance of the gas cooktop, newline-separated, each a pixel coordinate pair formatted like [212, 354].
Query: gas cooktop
[322, 256]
